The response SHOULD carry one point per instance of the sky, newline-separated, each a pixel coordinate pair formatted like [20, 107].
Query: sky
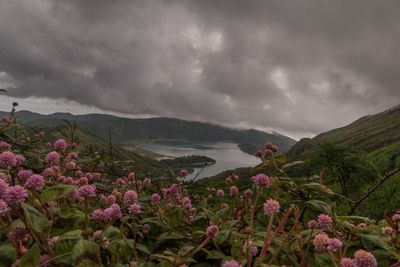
[295, 67]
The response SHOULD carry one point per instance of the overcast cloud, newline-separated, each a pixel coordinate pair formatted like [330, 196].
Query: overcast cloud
[296, 67]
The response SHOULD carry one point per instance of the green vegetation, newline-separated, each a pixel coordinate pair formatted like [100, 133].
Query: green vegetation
[125, 130]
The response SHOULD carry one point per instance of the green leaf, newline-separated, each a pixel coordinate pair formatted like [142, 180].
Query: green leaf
[185, 250]
[85, 254]
[66, 243]
[215, 254]
[31, 258]
[170, 236]
[56, 192]
[8, 255]
[143, 248]
[377, 241]
[111, 232]
[319, 205]
[35, 220]
[222, 236]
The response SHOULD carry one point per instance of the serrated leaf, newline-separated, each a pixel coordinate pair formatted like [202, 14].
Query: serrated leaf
[56, 192]
[35, 220]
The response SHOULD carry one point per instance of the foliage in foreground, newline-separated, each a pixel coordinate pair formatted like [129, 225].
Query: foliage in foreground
[55, 210]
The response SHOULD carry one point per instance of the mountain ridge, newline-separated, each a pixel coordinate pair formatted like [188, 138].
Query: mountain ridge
[128, 129]
[367, 134]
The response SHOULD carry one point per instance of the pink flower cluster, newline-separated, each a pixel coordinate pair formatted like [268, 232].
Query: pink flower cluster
[35, 182]
[231, 263]
[7, 159]
[324, 220]
[212, 231]
[361, 258]
[271, 206]
[322, 243]
[261, 180]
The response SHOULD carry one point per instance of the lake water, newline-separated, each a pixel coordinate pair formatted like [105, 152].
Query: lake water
[228, 156]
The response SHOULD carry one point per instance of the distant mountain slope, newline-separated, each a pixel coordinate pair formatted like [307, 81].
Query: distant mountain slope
[368, 134]
[125, 129]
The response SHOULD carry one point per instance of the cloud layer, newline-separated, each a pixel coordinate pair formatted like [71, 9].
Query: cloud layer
[297, 67]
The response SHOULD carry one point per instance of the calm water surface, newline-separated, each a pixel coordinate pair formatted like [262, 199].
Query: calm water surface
[227, 155]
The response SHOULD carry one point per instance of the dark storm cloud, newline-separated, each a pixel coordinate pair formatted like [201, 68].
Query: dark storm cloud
[293, 66]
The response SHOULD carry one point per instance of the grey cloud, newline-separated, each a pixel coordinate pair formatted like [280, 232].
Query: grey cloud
[292, 66]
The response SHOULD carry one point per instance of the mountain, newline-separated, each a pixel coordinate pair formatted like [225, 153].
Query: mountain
[368, 134]
[125, 130]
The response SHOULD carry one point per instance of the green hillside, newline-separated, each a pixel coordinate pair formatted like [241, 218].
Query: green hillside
[367, 134]
[126, 130]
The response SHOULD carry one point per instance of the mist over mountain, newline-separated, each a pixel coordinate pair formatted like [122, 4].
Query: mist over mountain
[126, 129]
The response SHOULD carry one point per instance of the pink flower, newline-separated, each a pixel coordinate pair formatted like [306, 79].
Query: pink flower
[130, 197]
[396, 217]
[23, 175]
[268, 153]
[131, 176]
[324, 220]
[312, 224]
[247, 193]
[4, 146]
[86, 191]
[7, 159]
[259, 153]
[70, 165]
[253, 250]
[19, 160]
[72, 155]
[212, 231]
[347, 262]
[114, 212]
[99, 215]
[35, 182]
[60, 144]
[50, 171]
[3, 177]
[271, 206]
[3, 208]
[334, 244]
[3, 187]
[120, 182]
[364, 259]
[261, 180]
[146, 229]
[220, 193]
[234, 191]
[68, 180]
[387, 230]
[146, 181]
[155, 197]
[53, 158]
[134, 209]
[15, 194]
[111, 199]
[183, 173]
[18, 234]
[231, 263]
[320, 242]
